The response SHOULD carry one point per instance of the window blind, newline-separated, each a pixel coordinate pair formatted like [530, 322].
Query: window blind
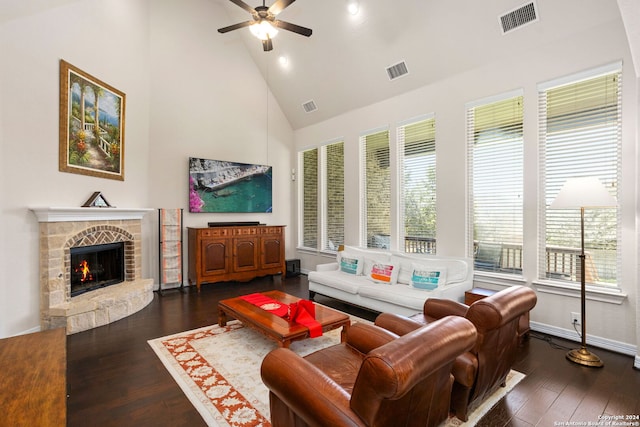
[417, 190]
[309, 198]
[495, 153]
[376, 197]
[333, 217]
[580, 136]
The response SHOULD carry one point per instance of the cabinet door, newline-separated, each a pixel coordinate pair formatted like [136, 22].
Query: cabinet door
[272, 252]
[245, 254]
[215, 257]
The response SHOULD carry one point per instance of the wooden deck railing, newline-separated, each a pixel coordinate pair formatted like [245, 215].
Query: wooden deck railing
[561, 262]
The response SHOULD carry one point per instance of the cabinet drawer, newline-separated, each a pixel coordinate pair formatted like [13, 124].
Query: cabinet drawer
[245, 231]
[214, 232]
[271, 230]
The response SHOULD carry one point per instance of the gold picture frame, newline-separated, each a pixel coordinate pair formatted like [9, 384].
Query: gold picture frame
[85, 148]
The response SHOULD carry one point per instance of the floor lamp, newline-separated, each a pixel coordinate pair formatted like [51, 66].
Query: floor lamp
[581, 193]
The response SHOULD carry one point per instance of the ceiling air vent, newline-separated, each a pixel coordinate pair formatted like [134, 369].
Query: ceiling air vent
[519, 17]
[397, 70]
[309, 106]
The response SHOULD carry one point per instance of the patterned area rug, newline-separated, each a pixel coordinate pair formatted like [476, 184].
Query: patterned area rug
[219, 371]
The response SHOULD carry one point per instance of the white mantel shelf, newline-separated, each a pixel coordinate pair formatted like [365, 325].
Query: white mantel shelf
[55, 214]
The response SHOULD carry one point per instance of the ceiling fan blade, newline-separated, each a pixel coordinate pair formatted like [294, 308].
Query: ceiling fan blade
[293, 27]
[243, 5]
[279, 6]
[267, 45]
[235, 26]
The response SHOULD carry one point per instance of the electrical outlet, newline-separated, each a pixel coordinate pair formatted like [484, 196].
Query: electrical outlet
[576, 318]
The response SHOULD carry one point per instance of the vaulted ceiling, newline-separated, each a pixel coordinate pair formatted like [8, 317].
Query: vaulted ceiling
[342, 66]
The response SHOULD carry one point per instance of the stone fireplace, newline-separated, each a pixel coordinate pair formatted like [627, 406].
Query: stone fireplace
[89, 232]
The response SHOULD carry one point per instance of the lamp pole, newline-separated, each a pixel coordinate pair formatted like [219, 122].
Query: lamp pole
[583, 356]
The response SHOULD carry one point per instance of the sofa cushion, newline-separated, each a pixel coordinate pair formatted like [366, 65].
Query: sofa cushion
[398, 294]
[456, 270]
[426, 278]
[339, 280]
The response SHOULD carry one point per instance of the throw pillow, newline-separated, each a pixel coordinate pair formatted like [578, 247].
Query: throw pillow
[383, 272]
[427, 279]
[350, 264]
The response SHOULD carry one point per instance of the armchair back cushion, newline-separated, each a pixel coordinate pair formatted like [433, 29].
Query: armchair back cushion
[496, 319]
[406, 381]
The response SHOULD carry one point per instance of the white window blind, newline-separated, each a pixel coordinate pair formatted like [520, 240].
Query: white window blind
[309, 199]
[580, 136]
[417, 198]
[376, 197]
[495, 153]
[333, 197]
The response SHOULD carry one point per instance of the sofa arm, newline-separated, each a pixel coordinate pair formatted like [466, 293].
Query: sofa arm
[364, 337]
[396, 323]
[436, 308]
[331, 266]
[305, 391]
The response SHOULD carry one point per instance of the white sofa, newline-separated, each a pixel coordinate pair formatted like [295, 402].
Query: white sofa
[359, 277]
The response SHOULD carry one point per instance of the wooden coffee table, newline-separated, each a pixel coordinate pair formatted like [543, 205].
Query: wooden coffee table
[275, 327]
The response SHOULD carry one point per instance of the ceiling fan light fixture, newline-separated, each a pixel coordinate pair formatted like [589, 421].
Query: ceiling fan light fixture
[263, 30]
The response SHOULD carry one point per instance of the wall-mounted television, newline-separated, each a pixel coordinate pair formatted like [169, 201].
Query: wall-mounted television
[223, 186]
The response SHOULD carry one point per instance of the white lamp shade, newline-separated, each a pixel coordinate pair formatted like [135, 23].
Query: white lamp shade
[587, 192]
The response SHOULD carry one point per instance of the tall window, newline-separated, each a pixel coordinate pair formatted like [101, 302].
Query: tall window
[376, 191]
[333, 218]
[310, 215]
[495, 147]
[417, 169]
[322, 197]
[580, 136]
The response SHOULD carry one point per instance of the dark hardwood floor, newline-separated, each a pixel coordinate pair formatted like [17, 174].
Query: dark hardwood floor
[115, 379]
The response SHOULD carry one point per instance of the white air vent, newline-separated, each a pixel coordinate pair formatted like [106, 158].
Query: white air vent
[309, 106]
[397, 70]
[519, 17]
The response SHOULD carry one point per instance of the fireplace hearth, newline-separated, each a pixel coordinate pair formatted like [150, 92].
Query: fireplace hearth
[90, 266]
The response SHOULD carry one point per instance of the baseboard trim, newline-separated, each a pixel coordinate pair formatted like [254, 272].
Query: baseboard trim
[604, 343]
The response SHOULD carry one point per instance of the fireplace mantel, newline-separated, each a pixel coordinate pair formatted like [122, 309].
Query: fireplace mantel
[61, 214]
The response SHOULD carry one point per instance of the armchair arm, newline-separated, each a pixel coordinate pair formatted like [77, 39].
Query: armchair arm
[396, 323]
[436, 308]
[364, 337]
[307, 392]
[331, 266]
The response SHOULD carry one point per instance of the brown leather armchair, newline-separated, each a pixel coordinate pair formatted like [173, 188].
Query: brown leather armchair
[373, 378]
[484, 368]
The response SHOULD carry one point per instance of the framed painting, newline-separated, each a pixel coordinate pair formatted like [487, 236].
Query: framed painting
[91, 125]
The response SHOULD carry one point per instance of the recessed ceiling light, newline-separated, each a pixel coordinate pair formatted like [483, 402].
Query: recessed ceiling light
[283, 60]
[353, 6]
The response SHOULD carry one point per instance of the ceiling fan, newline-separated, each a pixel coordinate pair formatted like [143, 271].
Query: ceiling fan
[264, 23]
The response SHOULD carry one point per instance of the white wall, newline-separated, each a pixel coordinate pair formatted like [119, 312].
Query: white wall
[447, 100]
[189, 92]
[103, 38]
[209, 100]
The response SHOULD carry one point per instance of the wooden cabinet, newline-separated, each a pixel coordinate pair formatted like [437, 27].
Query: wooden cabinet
[219, 254]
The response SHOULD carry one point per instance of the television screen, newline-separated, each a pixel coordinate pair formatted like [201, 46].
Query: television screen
[221, 186]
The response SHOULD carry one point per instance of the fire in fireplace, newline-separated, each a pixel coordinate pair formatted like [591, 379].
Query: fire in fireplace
[96, 266]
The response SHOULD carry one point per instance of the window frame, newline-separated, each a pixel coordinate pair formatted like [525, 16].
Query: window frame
[611, 290]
